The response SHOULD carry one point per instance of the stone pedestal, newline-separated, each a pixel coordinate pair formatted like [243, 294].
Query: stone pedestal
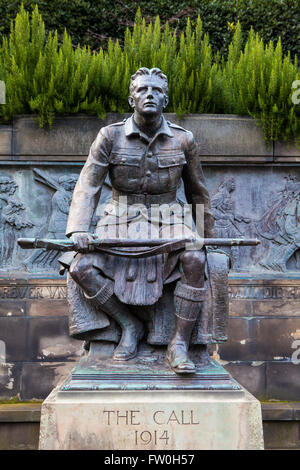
[151, 420]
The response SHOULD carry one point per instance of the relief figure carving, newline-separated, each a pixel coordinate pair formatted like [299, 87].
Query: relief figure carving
[12, 219]
[227, 220]
[280, 227]
[60, 205]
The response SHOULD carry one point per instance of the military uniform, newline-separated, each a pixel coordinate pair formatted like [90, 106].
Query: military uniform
[146, 171]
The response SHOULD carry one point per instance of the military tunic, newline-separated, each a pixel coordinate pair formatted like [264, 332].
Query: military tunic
[138, 165]
[146, 171]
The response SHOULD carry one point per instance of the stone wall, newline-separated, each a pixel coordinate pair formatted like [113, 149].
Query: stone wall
[255, 192]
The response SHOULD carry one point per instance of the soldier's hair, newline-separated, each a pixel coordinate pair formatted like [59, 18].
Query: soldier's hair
[146, 71]
[7, 180]
[67, 179]
[227, 182]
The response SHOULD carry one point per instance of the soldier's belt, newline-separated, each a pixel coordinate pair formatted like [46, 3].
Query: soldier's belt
[145, 199]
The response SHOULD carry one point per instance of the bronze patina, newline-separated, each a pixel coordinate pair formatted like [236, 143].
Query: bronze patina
[120, 286]
[146, 157]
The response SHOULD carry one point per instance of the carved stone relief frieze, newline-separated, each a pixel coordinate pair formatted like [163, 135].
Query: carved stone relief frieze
[270, 212]
[13, 219]
[280, 226]
[35, 203]
[246, 202]
[228, 223]
[61, 196]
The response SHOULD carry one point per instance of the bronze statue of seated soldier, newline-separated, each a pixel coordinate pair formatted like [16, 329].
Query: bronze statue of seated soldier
[146, 157]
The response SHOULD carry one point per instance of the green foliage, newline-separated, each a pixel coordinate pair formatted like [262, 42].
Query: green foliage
[93, 22]
[47, 76]
[42, 77]
[258, 81]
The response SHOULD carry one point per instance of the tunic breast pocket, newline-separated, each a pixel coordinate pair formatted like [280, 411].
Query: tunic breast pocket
[130, 158]
[125, 170]
[170, 168]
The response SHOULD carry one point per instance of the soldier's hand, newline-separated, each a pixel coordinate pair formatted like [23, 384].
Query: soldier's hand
[82, 242]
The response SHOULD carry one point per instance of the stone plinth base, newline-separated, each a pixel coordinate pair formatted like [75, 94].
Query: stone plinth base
[162, 420]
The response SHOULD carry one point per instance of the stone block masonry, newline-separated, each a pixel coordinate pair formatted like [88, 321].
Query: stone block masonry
[254, 191]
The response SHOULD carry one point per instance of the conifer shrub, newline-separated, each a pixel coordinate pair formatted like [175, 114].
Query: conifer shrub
[47, 77]
[257, 80]
[93, 22]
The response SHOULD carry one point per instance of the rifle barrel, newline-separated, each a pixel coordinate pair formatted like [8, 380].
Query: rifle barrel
[68, 245]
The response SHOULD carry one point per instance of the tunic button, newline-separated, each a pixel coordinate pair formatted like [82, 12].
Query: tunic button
[148, 173]
[149, 154]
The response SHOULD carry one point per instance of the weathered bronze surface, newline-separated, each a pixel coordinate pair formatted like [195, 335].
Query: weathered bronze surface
[116, 287]
[145, 157]
[164, 244]
[146, 372]
[257, 202]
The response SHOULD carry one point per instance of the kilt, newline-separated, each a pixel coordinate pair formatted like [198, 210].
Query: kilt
[139, 281]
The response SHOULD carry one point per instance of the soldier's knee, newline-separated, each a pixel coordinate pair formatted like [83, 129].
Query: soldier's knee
[193, 258]
[193, 264]
[81, 268]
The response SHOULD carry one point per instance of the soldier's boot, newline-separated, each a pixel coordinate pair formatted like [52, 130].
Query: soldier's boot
[132, 328]
[188, 304]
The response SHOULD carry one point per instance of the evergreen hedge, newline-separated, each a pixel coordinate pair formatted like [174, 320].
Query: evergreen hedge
[47, 78]
[92, 22]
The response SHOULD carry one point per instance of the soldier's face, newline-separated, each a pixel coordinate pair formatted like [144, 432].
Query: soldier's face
[69, 185]
[148, 97]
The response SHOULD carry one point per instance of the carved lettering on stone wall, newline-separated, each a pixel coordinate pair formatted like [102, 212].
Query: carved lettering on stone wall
[254, 292]
[241, 291]
[33, 292]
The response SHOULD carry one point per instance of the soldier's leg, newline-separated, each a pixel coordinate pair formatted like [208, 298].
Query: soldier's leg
[99, 288]
[188, 300]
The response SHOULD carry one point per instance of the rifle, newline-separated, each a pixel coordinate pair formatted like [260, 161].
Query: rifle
[148, 247]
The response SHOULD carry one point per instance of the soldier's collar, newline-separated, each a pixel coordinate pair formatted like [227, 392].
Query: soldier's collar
[131, 128]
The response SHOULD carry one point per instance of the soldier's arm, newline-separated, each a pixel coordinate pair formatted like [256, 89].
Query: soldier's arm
[88, 187]
[194, 184]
